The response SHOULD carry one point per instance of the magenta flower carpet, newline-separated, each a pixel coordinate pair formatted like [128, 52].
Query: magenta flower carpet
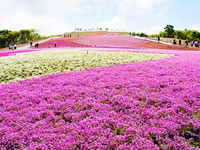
[112, 40]
[10, 53]
[60, 43]
[143, 105]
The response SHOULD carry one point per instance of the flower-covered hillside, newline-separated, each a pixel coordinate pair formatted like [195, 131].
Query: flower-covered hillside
[143, 105]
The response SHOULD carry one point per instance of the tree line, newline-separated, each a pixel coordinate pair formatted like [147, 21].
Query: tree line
[170, 32]
[18, 37]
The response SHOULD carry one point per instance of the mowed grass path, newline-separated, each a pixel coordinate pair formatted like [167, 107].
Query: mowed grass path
[34, 64]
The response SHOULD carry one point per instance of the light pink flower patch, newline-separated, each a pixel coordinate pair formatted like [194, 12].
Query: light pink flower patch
[112, 40]
[60, 43]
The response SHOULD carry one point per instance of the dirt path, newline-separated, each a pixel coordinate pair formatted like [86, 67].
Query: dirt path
[164, 44]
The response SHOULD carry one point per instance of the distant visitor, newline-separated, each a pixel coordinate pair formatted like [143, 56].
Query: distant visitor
[50, 44]
[158, 39]
[15, 46]
[10, 47]
[186, 43]
[31, 44]
[174, 42]
[179, 41]
[36, 45]
[192, 43]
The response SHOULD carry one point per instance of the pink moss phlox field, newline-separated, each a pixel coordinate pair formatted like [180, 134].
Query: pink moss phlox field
[60, 43]
[111, 40]
[10, 53]
[143, 105]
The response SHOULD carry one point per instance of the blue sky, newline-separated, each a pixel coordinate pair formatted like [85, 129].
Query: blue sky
[59, 16]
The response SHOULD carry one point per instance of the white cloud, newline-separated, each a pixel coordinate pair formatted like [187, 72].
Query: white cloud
[100, 6]
[194, 27]
[155, 29]
[115, 23]
[58, 16]
[139, 7]
[130, 13]
[60, 7]
[151, 30]
[47, 16]
[46, 25]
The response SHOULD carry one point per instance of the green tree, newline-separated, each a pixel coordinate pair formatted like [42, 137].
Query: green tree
[143, 34]
[193, 35]
[14, 37]
[169, 29]
[3, 32]
[26, 35]
[35, 36]
[4, 38]
[180, 34]
[163, 34]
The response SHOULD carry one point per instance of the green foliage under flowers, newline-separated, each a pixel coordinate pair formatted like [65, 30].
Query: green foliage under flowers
[34, 64]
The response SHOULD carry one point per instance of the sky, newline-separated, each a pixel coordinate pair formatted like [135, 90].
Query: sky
[50, 17]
